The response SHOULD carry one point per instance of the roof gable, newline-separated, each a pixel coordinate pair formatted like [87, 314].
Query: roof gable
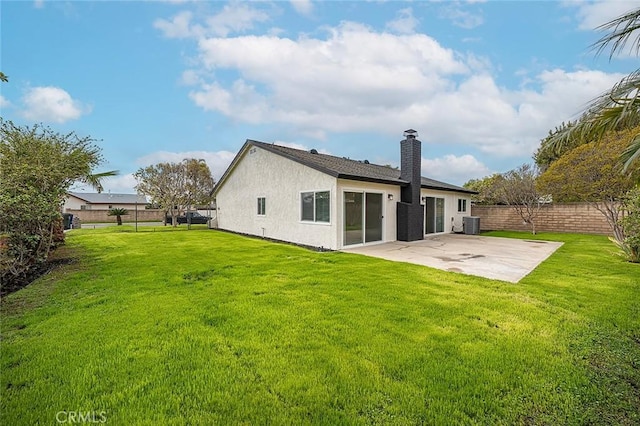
[338, 167]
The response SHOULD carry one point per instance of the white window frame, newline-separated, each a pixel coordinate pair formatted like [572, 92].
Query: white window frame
[464, 205]
[315, 220]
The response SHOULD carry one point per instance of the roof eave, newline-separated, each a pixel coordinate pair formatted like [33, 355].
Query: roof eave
[397, 182]
[439, 188]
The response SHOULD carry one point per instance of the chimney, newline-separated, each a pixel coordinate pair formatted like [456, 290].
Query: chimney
[410, 213]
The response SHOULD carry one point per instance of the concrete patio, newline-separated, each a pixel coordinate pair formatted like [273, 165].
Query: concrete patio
[503, 259]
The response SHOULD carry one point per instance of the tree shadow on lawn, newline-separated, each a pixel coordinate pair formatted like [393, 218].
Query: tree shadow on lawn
[60, 257]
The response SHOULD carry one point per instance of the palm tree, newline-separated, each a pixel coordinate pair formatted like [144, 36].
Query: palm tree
[618, 108]
[118, 213]
[95, 179]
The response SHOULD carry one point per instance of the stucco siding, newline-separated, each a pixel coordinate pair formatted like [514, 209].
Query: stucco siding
[73, 203]
[452, 218]
[260, 173]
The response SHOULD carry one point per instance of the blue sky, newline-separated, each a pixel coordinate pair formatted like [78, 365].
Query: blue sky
[481, 81]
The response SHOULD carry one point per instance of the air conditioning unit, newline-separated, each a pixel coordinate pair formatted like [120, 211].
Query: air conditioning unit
[471, 225]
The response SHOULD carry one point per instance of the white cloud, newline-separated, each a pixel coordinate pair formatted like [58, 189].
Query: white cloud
[332, 85]
[4, 102]
[335, 85]
[460, 17]
[293, 145]
[51, 104]
[453, 169]
[234, 17]
[179, 26]
[405, 22]
[303, 7]
[317, 85]
[190, 78]
[300, 146]
[38, 4]
[122, 184]
[595, 13]
[218, 161]
[511, 123]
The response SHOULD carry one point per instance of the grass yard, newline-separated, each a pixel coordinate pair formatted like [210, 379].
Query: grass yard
[169, 326]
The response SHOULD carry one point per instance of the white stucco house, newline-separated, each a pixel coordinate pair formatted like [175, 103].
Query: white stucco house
[103, 201]
[331, 202]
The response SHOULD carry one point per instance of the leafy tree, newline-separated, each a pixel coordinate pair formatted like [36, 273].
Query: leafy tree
[548, 151]
[174, 186]
[486, 189]
[3, 77]
[164, 184]
[517, 188]
[631, 225]
[118, 213]
[618, 108]
[592, 173]
[37, 167]
[199, 183]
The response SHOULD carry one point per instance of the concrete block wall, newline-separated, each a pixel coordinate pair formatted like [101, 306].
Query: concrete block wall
[87, 216]
[580, 218]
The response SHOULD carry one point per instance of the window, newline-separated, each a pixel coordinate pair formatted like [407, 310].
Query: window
[315, 206]
[462, 205]
[261, 206]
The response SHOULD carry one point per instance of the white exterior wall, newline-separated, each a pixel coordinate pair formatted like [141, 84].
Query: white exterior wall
[451, 215]
[73, 203]
[260, 173]
[389, 228]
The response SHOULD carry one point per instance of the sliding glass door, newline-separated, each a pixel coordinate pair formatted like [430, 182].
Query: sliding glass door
[373, 217]
[353, 220]
[434, 215]
[362, 217]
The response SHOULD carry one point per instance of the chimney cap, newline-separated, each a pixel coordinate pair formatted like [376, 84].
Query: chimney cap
[410, 134]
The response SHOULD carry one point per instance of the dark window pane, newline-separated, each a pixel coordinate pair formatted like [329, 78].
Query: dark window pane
[353, 218]
[307, 205]
[322, 206]
[261, 205]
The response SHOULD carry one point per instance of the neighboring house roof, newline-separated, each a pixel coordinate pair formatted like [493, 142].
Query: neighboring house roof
[109, 198]
[340, 167]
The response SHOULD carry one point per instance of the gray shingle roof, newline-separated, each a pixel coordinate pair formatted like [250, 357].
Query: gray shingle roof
[345, 168]
[108, 198]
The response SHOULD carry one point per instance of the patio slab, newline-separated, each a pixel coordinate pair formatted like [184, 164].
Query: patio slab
[505, 259]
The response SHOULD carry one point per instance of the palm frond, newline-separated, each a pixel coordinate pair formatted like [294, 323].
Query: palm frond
[632, 153]
[616, 109]
[95, 179]
[621, 31]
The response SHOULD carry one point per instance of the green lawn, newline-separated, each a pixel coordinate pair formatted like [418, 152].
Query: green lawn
[170, 326]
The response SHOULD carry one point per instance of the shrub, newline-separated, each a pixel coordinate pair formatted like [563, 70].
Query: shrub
[630, 224]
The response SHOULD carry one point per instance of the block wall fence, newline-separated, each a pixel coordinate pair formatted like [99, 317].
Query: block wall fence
[570, 217]
[580, 218]
[88, 216]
